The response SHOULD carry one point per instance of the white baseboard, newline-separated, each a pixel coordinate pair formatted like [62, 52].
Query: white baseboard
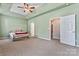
[43, 38]
[56, 38]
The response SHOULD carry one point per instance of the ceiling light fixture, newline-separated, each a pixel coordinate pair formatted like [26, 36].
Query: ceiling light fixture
[27, 7]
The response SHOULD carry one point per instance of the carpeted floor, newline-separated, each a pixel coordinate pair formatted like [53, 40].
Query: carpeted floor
[36, 47]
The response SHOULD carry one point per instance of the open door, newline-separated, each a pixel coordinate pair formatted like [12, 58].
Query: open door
[67, 30]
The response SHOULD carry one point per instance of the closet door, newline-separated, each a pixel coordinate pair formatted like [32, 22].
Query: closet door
[67, 30]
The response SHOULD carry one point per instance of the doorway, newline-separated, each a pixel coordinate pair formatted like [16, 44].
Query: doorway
[55, 28]
[63, 28]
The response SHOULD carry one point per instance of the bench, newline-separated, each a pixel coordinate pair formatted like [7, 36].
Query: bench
[15, 35]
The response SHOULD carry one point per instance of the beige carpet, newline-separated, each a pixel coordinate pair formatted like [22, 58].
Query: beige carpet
[36, 47]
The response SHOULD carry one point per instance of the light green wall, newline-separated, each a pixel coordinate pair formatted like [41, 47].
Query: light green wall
[42, 21]
[9, 23]
[0, 25]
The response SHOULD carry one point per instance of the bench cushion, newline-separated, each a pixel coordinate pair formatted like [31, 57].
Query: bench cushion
[17, 33]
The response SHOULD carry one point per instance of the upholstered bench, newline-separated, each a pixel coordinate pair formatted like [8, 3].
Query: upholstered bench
[16, 35]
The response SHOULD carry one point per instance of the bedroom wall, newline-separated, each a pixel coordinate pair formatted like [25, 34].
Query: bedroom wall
[42, 21]
[9, 23]
[0, 25]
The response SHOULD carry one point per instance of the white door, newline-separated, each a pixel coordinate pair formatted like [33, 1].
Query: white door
[32, 29]
[67, 30]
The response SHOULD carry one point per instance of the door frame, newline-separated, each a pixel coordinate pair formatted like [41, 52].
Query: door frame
[33, 29]
[49, 29]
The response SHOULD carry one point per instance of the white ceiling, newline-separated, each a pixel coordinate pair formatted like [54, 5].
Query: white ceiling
[10, 9]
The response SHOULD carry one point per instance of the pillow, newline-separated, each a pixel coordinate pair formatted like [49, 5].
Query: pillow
[21, 33]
